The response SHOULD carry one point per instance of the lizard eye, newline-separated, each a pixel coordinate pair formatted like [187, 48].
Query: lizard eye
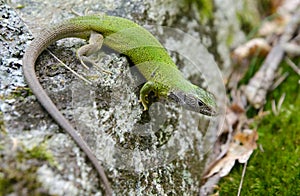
[200, 103]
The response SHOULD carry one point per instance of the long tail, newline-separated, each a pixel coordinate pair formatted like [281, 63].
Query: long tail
[33, 51]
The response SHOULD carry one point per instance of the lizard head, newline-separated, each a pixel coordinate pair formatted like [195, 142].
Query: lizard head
[198, 100]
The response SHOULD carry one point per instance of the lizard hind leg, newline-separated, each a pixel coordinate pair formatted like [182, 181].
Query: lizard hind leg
[94, 45]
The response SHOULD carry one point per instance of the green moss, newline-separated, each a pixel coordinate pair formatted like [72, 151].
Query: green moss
[254, 66]
[204, 7]
[275, 169]
[2, 126]
[265, 7]
[249, 17]
[21, 92]
[18, 170]
[19, 180]
[40, 153]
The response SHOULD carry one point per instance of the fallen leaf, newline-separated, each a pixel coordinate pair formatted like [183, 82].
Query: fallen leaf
[240, 149]
[254, 47]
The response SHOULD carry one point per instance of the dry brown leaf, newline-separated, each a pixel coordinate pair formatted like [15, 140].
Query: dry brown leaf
[258, 86]
[254, 47]
[283, 10]
[237, 108]
[273, 27]
[240, 149]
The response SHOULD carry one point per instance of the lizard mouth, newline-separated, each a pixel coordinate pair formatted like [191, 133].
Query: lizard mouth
[205, 110]
[192, 104]
[209, 112]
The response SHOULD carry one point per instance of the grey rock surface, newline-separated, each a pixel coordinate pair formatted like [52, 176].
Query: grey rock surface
[165, 161]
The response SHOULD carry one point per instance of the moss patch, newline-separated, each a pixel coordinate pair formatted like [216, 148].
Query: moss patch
[275, 169]
[18, 170]
[2, 126]
[204, 7]
[249, 17]
[40, 153]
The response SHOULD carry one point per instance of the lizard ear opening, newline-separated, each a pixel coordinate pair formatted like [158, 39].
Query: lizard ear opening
[176, 97]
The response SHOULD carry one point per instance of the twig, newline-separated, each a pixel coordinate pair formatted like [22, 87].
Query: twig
[258, 86]
[276, 109]
[66, 66]
[280, 102]
[242, 179]
[292, 65]
[279, 81]
[291, 49]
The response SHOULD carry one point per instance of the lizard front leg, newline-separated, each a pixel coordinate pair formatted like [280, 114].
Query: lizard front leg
[144, 92]
[158, 89]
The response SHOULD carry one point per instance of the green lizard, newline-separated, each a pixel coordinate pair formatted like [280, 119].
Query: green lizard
[143, 50]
